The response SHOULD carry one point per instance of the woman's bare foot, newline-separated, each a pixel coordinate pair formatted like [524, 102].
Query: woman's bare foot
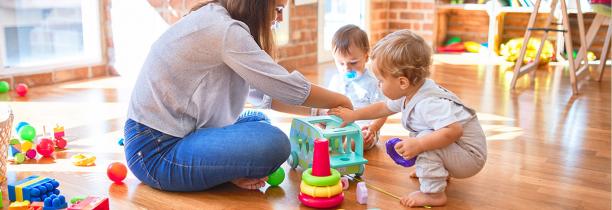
[417, 198]
[250, 183]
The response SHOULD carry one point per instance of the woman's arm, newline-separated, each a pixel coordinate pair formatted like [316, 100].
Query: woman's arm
[291, 109]
[322, 98]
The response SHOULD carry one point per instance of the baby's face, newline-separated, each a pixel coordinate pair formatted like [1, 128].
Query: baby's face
[390, 86]
[355, 60]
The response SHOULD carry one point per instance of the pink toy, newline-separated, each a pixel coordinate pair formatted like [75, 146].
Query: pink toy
[45, 147]
[21, 89]
[362, 193]
[31, 154]
[320, 158]
[117, 172]
[322, 203]
[60, 142]
[345, 183]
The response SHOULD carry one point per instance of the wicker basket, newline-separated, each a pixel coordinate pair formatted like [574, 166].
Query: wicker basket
[6, 126]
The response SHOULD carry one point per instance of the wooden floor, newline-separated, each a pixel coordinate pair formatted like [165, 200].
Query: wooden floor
[547, 149]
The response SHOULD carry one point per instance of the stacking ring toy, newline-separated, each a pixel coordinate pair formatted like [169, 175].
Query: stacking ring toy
[397, 157]
[321, 192]
[318, 181]
[321, 203]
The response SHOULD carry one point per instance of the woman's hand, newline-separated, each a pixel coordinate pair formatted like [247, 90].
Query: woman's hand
[409, 148]
[347, 115]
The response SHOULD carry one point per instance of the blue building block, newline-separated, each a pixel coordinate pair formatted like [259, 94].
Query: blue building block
[33, 188]
[55, 202]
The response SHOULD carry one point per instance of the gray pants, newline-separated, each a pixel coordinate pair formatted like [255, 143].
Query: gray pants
[461, 159]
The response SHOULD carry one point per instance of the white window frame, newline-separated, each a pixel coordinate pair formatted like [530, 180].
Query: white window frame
[325, 55]
[91, 11]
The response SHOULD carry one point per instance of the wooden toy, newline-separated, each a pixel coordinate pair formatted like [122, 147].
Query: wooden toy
[343, 158]
[58, 131]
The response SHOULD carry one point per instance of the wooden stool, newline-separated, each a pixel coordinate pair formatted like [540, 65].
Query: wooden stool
[576, 72]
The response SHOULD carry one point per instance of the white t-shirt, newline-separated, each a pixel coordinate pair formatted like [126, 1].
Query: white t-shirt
[430, 113]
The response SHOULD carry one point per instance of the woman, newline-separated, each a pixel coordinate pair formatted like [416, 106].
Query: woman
[183, 132]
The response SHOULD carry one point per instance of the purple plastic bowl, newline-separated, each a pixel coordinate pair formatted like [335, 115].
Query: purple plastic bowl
[397, 157]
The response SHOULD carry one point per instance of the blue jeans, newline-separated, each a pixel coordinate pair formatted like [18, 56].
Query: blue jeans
[207, 157]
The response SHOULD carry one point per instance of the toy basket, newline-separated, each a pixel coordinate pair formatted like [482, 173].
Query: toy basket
[6, 126]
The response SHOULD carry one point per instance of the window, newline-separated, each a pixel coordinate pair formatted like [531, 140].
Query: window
[42, 33]
[281, 34]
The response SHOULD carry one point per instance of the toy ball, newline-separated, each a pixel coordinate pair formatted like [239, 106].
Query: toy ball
[60, 143]
[116, 172]
[4, 87]
[20, 125]
[21, 89]
[120, 142]
[19, 158]
[31, 154]
[27, 132]
[26, 145]
[277, 177]
[45, 147]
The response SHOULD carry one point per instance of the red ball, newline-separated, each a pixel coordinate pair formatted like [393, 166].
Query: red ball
[117, 172]
[60, 143]
[21, 89]
[45, 147]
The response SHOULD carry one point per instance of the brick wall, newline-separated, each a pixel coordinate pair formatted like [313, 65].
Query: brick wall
[302, 47]
[416, 15]
[379, 20]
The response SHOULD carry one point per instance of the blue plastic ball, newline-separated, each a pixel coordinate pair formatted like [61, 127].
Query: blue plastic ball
[56, 191]
[21, 124]
[55, 183]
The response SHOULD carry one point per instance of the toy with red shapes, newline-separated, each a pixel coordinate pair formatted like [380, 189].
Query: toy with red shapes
[91, 203]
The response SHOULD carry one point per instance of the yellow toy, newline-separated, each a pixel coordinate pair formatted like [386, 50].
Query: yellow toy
[19, 205]
[83, 160]
[510, 51]
[321, 192]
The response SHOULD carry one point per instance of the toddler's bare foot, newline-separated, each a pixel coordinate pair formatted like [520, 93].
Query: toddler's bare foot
[417, 198]
[250, 183]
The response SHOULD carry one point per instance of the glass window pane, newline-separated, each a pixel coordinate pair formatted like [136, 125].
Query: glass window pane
[37, 32]
[339, 13]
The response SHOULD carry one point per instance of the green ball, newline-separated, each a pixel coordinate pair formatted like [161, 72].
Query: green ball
[19, 158]
[277, 177]
[4, 87]
[27, 132]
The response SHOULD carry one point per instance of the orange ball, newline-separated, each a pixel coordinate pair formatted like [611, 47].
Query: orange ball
[117, 172]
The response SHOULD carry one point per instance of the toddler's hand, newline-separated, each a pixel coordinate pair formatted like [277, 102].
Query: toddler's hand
[408, 148]
[347, 115]
[368, 134]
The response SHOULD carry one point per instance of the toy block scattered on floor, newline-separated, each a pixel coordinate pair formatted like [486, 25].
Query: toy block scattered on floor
[33, 188]
[91, 203]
